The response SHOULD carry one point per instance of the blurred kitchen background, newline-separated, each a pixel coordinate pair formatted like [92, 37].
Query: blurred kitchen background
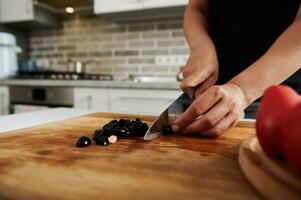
[106, 55]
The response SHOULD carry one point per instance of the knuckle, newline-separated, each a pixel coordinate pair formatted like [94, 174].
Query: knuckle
[219, 92]
[208, 121]
[197, 110]
[231, 101]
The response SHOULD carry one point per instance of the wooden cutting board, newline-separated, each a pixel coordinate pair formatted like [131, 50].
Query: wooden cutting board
[42, 163]
[273, 178]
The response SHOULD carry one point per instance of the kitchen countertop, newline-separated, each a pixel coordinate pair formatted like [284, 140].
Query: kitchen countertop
[30, 119]
[94, 84]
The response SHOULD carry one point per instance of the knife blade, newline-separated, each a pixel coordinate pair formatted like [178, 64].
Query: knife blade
[168, 116]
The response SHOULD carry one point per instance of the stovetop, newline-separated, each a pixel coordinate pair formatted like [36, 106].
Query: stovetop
[51, 75]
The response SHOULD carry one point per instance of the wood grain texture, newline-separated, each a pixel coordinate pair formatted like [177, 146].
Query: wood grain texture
[42, 163]
[273, 178]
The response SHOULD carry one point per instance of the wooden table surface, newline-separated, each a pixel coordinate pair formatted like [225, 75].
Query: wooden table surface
[42, 163]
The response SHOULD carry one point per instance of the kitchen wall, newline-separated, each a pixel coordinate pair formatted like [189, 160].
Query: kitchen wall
[120, 49]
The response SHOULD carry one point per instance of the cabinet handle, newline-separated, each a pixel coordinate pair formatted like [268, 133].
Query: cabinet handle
[145, 99]
[89, 102]
[2, 104]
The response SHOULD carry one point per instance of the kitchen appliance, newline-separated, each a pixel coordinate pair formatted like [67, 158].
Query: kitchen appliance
[24, 99]
[8, 55]
[53, 75]
[168, 116]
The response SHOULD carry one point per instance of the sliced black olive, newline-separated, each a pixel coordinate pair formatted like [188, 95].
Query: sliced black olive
[102, 140]
[97, 133]
[107, 132]
[167, 130]
[122, 132]
[136, 120]
[83, 141]
[123, 122]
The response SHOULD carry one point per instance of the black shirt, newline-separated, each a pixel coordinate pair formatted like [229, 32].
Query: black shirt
[242, 31]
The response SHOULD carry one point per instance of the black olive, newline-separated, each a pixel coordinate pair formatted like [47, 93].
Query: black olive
[123, 122]
[122, 132]
[136, 120]
[102, 140]
[96, 134]
[131, 129]
[167, 130]
[83, 141]
[113, 121]
[107, 132]
[144, 127]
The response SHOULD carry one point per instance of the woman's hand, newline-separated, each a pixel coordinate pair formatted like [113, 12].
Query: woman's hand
[201, 70]
[213, 111]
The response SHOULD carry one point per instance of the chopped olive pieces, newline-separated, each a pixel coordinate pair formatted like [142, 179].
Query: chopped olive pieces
[167, 130]
[122, 128]
[102, 140]
[83, 141]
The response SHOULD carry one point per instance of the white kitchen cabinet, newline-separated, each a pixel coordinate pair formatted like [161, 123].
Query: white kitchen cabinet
[133, 101]
[141, 101]
[91, 98]
[4, 101]
[16, 10]
[111, 6]
[147, 4]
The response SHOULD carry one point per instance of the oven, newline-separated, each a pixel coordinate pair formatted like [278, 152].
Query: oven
[25, 99]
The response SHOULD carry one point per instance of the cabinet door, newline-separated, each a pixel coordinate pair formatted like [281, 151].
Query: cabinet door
[4, 101]
[88, 98]
[141, 101]
[160, 4]
[111, 6]
[16, 10]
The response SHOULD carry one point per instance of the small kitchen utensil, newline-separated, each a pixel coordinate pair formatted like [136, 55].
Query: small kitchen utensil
[76, 66]
[168, 116]
[79, 67]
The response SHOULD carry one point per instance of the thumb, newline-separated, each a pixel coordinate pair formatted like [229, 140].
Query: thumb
[193, 80]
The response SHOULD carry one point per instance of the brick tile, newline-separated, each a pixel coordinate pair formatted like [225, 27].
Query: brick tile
[142, 60]
[100, 53]
[126, 53]
[152, 52]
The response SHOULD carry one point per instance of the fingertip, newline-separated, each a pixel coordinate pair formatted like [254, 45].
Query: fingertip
[183, 85]
[175, 128]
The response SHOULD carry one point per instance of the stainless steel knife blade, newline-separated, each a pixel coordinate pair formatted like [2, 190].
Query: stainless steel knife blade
[168, 116]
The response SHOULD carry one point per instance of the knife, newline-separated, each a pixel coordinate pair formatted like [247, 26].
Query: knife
[168, 116]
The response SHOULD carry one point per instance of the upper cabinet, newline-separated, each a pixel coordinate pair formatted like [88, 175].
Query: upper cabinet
[114, 6]
[27, 14]
[16, 10]
[161, 4]
[111, 6]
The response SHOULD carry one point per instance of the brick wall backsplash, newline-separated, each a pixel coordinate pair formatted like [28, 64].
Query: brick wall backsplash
[119, 49]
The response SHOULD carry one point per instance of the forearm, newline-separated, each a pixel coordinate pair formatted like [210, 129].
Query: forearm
[196, 26]
[275, 66]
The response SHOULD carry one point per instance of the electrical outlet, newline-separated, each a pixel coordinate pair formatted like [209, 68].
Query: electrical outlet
[171, 60]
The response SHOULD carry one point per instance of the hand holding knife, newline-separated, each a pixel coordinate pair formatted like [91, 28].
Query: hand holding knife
[169, 115]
